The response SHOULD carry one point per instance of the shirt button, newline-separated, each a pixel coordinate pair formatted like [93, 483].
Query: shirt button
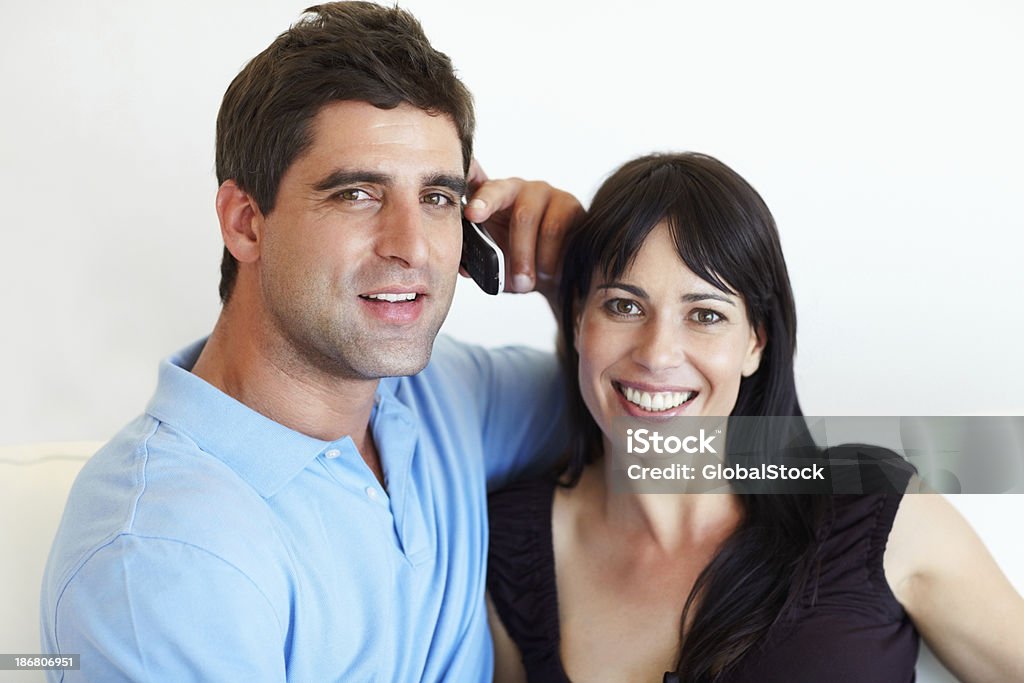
[332, 453]
[371, 493]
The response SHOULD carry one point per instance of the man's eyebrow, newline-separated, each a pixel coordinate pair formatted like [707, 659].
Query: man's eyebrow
[341, 177]
[455, 183]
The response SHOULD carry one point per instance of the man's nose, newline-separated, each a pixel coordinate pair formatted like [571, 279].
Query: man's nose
[402, 235]
[661, 345]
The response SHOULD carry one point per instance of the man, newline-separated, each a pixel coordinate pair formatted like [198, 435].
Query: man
[280, 512]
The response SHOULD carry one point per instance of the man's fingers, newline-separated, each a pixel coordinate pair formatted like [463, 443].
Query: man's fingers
[529, 221]
[492, 197]
[562, 213]
[476, 176]
[524, 223]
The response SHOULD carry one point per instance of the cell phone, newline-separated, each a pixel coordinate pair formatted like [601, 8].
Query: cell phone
[482, 257]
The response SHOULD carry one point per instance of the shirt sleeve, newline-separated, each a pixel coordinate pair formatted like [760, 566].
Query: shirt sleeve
[521, 402]
[156, 609]
[525, 429]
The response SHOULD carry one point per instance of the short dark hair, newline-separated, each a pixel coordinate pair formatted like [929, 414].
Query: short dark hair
[355, 51]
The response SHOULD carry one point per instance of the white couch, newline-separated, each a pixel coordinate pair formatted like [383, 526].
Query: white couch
[34, 482]
[35, 479]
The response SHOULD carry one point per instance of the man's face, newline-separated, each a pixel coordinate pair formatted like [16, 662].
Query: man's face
[358, 259]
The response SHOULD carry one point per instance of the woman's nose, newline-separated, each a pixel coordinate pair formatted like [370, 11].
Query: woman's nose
[660, 346]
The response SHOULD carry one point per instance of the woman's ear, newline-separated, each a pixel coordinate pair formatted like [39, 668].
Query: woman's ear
[752, 361]
[577, 313]
[240, 222]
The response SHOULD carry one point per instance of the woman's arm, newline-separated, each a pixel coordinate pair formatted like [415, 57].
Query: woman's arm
[508, 663]
[949, 584]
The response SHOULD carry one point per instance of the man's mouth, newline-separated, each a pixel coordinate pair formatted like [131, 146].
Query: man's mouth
[391, 297]
[655, 401]
[396, 307]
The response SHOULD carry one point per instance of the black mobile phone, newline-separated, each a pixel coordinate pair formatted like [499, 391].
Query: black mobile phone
[482, 258]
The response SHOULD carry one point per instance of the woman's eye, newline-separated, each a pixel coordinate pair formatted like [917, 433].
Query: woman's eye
[438, 199]
[706, 316]
[623, 307]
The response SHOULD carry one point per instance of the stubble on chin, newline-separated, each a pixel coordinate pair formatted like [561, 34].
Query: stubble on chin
[319, 334]
[348, 347]
[341, 352]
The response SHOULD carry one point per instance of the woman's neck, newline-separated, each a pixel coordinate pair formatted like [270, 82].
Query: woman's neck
[670, 521]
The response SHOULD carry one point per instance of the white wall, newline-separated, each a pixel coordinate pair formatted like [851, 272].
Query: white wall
[885, 137]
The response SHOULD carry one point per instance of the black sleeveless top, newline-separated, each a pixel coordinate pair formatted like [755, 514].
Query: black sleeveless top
[847, 628]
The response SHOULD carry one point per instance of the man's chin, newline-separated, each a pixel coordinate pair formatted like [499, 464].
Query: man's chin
[403, 367]
[395, 360]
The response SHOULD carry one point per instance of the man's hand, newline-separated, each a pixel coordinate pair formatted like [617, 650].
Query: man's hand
[528, 220]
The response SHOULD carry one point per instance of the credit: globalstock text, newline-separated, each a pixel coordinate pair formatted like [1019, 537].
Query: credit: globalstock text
[727, 472]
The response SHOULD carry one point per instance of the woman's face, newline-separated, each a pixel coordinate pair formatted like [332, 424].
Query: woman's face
[660, 341]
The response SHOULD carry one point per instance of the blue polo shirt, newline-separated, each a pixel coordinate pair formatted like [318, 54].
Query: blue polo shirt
[207, 542]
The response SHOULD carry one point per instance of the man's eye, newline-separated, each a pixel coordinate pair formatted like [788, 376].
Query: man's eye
[438, 199]
[623, 307]
[352, 195]
[705, 316]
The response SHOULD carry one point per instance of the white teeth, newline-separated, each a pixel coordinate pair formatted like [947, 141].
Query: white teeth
[659, 401]
[392, 298]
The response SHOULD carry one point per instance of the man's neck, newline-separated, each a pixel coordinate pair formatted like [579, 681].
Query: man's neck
[262, 374]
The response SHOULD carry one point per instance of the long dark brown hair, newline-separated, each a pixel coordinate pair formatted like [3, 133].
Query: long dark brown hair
[725, 234]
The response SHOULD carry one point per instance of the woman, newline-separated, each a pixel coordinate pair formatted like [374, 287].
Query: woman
[676, 301]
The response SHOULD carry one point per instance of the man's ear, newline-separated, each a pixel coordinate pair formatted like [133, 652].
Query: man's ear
[752, 361]
[241, 222]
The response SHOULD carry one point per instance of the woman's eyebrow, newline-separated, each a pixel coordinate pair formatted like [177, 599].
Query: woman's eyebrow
[705, 296]
[635, 291]
[692, 297]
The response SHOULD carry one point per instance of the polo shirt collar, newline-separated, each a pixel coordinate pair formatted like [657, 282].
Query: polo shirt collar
[262, 452]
